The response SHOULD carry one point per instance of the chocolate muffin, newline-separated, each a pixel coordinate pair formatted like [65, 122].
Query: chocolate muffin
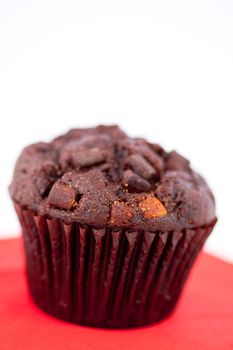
[111, 226]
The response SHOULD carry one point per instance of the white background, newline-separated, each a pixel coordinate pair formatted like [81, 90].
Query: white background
[161, 69]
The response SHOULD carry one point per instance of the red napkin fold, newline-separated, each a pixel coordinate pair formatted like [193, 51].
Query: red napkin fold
[203, 318]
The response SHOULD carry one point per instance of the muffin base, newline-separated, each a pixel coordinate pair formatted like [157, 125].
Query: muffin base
[106, 277]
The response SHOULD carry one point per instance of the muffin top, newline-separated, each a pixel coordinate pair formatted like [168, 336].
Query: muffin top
[101, 177]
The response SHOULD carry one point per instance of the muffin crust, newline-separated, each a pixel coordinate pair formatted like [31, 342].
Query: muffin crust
[101, 177]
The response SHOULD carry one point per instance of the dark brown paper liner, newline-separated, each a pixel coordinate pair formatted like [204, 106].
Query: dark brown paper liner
[104, 277]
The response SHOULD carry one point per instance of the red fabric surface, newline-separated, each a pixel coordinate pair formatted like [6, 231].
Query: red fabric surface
[202, 320]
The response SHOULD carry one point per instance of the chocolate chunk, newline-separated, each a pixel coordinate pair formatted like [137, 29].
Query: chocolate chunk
[134, 182]
[155, 160]
[176, 162]
[140, 165]
[88, 157]
[145, 150]
[62, 196]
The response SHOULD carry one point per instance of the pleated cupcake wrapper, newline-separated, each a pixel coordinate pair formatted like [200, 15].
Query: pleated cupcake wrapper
[106, 277]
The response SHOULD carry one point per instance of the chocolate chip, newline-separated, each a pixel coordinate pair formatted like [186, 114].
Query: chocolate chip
[155, 160]
[62, 196]
[88, 157]
[176, 162]
[140, 165]
[134, 182]
[149, 152]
